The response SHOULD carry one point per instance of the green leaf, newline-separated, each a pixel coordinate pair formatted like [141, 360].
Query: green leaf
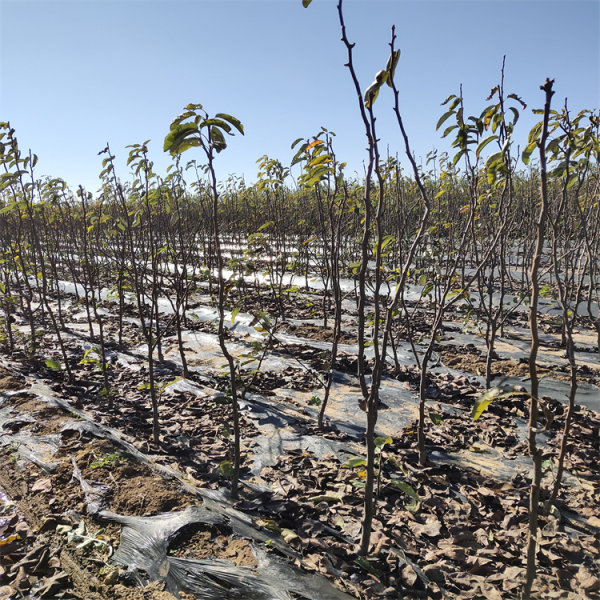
[528, 152]
[409, 491]
[391, 66]
[172, 382]
[368, 565]
[386, 240]
[305, 3]
[491, 164]
[484, 401]
[554, 146]
[535, 132]
[217, 123]
[458, 156]
[450, 97]
[449, 129]
[265, 225]
[560, 170]
[324, 498]
[547, 465]
[231, 120]
[319, 160]
[380, 442]
[443, 118]
[218, 139]
[518, 99]
[226, 468]
[179, 133]
[372, 91]
[573, 179]
[53, 364]
[497, 120]
[355, 462]
[484, 143]
[436, 418]
[234, 314]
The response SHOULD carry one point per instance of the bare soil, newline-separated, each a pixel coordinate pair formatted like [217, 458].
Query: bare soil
[471, 361]
[200, 541]
[315, 332]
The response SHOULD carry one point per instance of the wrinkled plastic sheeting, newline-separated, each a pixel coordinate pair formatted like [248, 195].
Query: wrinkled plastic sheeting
[33, 448]
[95, 493]
[144, 550]
[145, 542]
[242, 523]
[492, 464]
[269, 448]
[280, 431]
[587, 394]
[87, 425]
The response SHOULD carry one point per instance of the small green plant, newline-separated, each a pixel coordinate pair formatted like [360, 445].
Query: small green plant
[53, 365]
[107, 392]
[226, 432]
[226, 468]
[108, 460]
[14, 452]
[360, 463]
[92, 356]
[159, 387]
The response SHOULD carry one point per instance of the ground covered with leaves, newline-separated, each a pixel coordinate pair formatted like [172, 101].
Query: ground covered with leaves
[456, 528]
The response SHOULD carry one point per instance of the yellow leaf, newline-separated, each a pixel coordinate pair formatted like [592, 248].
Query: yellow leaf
[313, 144]
[288, 535]
[269, 524]
[9, 539]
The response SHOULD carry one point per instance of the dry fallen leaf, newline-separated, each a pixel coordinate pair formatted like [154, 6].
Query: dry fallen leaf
[288, 535]
[587, 581]
[7, 592]
[409, 575]
[512, 578]
[43, 485]
[594, 522]
[431, 528]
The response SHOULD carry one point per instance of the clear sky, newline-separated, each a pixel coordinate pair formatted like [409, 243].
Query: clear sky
[77, 74]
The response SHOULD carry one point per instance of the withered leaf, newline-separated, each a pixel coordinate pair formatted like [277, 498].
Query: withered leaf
[43, 485]
[409, 575]
[431, 528]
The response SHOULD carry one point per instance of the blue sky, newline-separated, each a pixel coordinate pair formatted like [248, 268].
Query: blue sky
[77, 74]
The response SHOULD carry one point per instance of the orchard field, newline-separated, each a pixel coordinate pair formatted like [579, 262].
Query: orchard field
[315, 387]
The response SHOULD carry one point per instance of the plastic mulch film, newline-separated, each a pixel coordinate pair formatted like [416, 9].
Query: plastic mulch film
[37, 449]
[144, 544]
[144, 550]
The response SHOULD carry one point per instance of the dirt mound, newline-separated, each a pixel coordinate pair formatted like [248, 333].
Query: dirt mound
[8, 382]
